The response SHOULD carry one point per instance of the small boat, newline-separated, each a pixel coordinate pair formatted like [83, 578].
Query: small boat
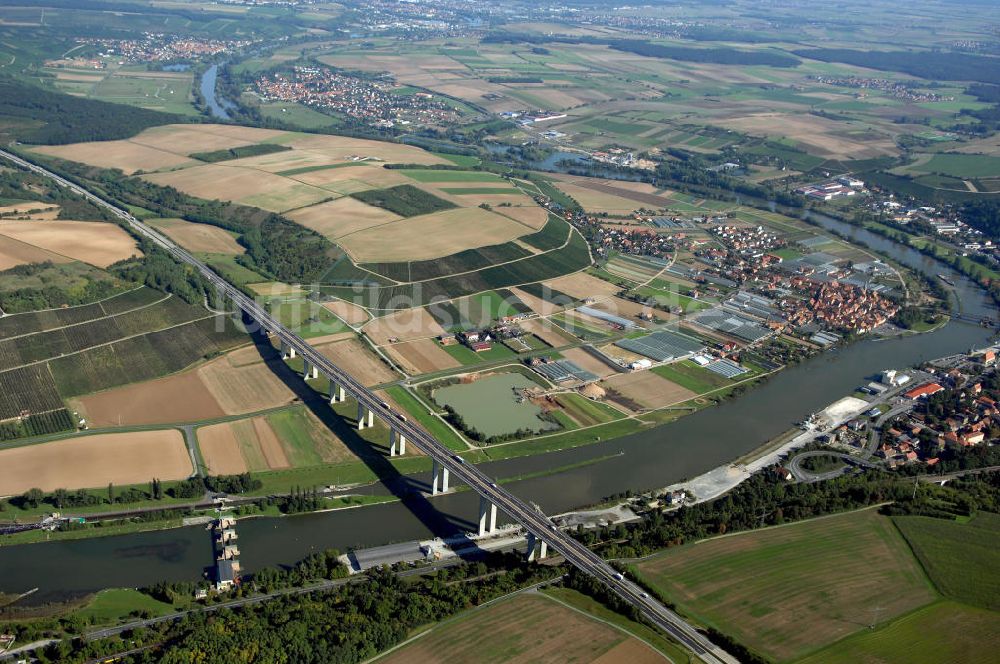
[946, 279]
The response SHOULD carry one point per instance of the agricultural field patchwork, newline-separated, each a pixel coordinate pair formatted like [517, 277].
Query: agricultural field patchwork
[791, 589]
[526, 626]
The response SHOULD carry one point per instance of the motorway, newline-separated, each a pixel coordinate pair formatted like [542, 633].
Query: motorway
[533, 520]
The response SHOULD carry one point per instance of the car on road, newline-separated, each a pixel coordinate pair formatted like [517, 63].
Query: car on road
[457, 458]
[619, 576]
[400, 417]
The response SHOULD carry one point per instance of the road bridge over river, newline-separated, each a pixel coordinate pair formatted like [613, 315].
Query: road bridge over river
[447, 466]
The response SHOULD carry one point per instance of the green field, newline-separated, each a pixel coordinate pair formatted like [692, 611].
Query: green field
[306, 318]
[962, 559]
[480, 191]
[587, 412]
[787, 590]
[522, 628]
[296, 432]
[143, 357]
[689, 375]
[230, 270]
[435, 175]
[115, 604]
[941, 632]
[467, 356]
[404, 200]
[417, 411]
[962, 165]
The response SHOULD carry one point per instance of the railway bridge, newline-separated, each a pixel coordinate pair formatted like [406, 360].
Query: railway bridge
[541, 531]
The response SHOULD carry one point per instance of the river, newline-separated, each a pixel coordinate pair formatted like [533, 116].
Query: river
[649, 459]
[218, 106]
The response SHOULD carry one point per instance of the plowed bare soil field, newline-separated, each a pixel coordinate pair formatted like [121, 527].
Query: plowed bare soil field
[421, 356]
[648, 389]
[178, 398]
[404, 325]
[354, 357]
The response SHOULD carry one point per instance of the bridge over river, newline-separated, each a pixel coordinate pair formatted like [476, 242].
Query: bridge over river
[541, 530]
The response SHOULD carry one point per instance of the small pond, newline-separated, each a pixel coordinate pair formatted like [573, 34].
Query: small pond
[493, 404]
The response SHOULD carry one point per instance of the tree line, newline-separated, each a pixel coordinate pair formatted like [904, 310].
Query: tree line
[717, 55]
[68, 119]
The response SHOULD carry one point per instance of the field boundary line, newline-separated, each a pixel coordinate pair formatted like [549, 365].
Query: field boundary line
[569, 237]
[108, 343]
[760, 530]
[613, 626]
[462, 615]
[78, 306]
[166, 297]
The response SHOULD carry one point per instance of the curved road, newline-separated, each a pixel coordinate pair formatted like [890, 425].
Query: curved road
[533, 520]
[802, 475]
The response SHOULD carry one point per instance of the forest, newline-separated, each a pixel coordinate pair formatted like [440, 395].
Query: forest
[346, 624]
[717, 55]
[52, 118]
[932, 65]
[275, 245]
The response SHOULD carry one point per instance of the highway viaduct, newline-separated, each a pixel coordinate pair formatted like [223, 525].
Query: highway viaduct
[539, 528]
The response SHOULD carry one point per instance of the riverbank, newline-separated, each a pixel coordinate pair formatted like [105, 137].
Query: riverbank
[651, 458]
[723, 479]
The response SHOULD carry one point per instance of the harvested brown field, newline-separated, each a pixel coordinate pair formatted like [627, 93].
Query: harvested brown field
[536, 304]
[403, 326]
[23, 208]
[529, 215]
[644, 194]
[14, 252]
[588, 362]
[583, 286]
[220, 449]
[198, 237]
[341, 217]
[241, 446]
[275, 289]
[349, 179]
[99, 244]
[596, 202]
[551, 334]
[431, 236]
[625, 308]
[242, 185]
[185, 139]
[95, 461]
[351, 314]
[421, 356]
[178, 398]
[354, 357]
[815, 134]
[330, 338]
[125, 155]
[526, 628]
[345, 148]
[648, 389]
[242, 383]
